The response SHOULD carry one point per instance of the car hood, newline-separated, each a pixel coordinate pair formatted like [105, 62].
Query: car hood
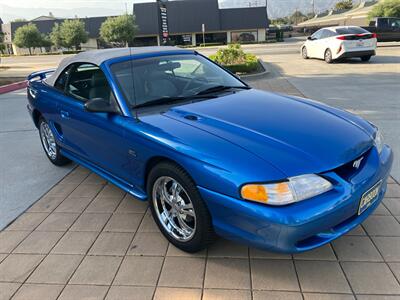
[295, 136]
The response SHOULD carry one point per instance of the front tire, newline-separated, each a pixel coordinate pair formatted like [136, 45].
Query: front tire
[304, 53]
[178, 209]
[328, 56]
[365, 58]
[49, 144]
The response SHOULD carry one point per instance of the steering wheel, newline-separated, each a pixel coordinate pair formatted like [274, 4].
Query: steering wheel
[187, 85]
[190, 82]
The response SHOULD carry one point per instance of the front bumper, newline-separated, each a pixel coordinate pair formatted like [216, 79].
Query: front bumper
[307, 224]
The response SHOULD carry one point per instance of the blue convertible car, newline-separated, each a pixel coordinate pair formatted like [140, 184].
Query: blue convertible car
[210, 154]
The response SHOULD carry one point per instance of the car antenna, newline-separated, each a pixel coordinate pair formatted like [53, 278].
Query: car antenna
[131, 62]
[133, 80]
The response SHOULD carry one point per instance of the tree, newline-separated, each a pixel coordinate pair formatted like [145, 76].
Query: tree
[72, 33]
[19, 20]
[28, 36]
[2, 46]
[387, 8]
[297, 17]
[280, 21]
[46, 42]
[344, 4]
[119, 30]
[55, 36]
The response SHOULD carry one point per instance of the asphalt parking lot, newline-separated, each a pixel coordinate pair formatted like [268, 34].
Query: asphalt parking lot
[25, 173]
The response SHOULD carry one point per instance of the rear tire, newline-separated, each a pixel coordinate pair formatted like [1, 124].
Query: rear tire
[328, 56]
[49, 144]
[304, 53]
[180, 213]
[365, 58]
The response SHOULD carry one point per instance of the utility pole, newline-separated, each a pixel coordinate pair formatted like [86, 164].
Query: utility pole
[313, 7]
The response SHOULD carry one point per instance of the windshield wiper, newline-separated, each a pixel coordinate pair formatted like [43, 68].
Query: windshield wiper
[220, 88]
[205, 94]
[170, 100]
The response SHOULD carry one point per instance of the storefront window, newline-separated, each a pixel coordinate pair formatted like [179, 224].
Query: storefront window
[181, 39]
[145, 41]
[212, 38]
[244, 36]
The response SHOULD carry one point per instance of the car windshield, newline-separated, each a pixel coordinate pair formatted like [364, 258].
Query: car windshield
[158, 80]
[351, 30]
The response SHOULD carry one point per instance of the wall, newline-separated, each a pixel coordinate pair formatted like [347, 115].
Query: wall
[243, 18]
[147, 18]
[189, 15]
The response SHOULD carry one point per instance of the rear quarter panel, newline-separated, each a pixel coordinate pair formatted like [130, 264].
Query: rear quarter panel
[42, 100]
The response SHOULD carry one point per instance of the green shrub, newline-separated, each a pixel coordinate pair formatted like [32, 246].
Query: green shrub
[231, 55]
[386, 8]
[235, 59]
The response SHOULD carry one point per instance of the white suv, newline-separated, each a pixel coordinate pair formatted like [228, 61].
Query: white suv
[333, 43]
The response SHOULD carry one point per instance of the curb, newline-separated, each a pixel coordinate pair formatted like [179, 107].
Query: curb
[13, 87]
[258, 75]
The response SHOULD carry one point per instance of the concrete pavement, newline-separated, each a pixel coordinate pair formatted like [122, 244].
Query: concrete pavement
[21, 66]
[25, 174]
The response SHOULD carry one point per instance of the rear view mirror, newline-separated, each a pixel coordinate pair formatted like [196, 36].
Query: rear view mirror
[100, 105]
[169, 66]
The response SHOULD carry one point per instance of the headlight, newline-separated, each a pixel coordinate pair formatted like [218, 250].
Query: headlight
[378, 140]
[295, 189]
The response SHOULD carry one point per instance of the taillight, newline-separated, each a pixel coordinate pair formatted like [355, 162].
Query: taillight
[340, 49]
[352, 37]
[374, 36]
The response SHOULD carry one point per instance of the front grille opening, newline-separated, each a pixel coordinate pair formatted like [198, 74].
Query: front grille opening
[348, 170]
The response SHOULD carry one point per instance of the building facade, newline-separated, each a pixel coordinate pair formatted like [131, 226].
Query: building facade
[186, 20]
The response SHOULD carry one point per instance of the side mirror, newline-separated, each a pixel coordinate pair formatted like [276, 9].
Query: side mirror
[100, 105]
[310, 38]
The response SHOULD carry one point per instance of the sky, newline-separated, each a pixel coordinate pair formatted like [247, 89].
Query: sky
[29, 9]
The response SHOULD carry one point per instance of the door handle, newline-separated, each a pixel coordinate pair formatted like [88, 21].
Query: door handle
[64, 114]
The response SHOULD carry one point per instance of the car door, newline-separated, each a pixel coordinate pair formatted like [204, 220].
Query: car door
[327, 41]
[94, 137]
[312, 44]
[322, 43]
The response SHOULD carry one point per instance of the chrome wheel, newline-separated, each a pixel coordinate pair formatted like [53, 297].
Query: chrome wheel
[174, 208]
[48, 140]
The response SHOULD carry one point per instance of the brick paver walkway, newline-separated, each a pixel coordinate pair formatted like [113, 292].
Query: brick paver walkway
[86, 239]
